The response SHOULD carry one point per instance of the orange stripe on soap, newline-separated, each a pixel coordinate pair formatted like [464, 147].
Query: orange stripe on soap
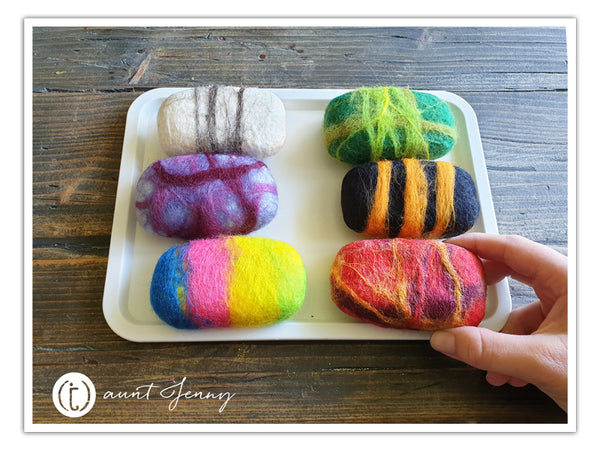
[415, 199]
[377, 223]
[398, 283]
[444, 197]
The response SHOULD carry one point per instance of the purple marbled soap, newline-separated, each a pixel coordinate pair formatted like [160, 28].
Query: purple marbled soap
[205, 195]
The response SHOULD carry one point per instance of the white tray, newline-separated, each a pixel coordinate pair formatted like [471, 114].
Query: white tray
[309, 218]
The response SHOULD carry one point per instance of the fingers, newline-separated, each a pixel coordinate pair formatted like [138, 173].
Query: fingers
[521, 255]
[532, 347]
[484, 349]
[518, 360]
[529, 262]
[524, 320]
[498, 379]
[494, 271]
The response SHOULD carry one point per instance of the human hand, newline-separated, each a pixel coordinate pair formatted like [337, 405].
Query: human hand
[532, 347]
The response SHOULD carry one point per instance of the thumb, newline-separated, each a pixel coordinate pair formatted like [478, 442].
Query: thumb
[518, 356]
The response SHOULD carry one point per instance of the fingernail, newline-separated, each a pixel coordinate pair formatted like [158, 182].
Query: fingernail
[443, 342]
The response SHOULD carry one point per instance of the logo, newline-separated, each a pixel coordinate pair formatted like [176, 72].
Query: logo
[74, 394]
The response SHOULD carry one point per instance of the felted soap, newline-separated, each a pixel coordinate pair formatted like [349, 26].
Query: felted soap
[205, 195]
[409, 283]
[374, 123]
[236, 281]
[409, 198]
[222, 119]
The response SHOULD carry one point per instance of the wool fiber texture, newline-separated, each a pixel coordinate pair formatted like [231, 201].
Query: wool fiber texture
[236, 281]
[375, 123]
[409, 198]
[222, 119]
[205, 195]
[409, 283]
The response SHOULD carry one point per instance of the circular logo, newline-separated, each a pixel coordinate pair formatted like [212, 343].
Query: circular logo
[74, 394]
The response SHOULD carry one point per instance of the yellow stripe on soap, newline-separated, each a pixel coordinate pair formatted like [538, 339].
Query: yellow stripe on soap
[377, 224]
[181, 291]
[436, 127]
[444, 181]
[415, 199]
[253, 292]
[382, 130]
[445, 258]
[289, 276]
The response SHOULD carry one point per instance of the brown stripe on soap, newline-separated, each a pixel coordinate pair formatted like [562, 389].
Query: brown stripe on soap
[210, 116]
[196, 118]
[237, 139]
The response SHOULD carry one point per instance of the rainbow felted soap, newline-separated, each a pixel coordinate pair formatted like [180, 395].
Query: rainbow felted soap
[222, 119]
[237, 281]
[375, 123]
[205, 195]
[409, 198]
[409, 283]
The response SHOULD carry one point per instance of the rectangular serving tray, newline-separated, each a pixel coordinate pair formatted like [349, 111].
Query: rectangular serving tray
[309, 218]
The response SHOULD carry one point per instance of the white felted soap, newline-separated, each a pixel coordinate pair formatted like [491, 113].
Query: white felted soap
[222, 119]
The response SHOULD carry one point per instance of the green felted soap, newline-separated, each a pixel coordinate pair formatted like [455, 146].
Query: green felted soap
[376, 123]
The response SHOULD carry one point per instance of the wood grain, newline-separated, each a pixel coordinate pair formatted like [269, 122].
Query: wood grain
[84, 81]
[466, 59]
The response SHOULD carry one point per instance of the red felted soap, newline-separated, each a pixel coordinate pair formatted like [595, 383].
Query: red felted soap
[409, 283]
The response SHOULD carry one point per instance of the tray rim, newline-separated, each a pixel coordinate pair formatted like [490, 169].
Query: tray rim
[129, 329]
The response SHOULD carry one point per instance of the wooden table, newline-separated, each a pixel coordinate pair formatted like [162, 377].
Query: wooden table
[85, 79]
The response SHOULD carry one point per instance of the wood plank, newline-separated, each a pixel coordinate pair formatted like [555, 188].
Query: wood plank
[76, 149]
[525, 142]
[389, 382]
[467, 59]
